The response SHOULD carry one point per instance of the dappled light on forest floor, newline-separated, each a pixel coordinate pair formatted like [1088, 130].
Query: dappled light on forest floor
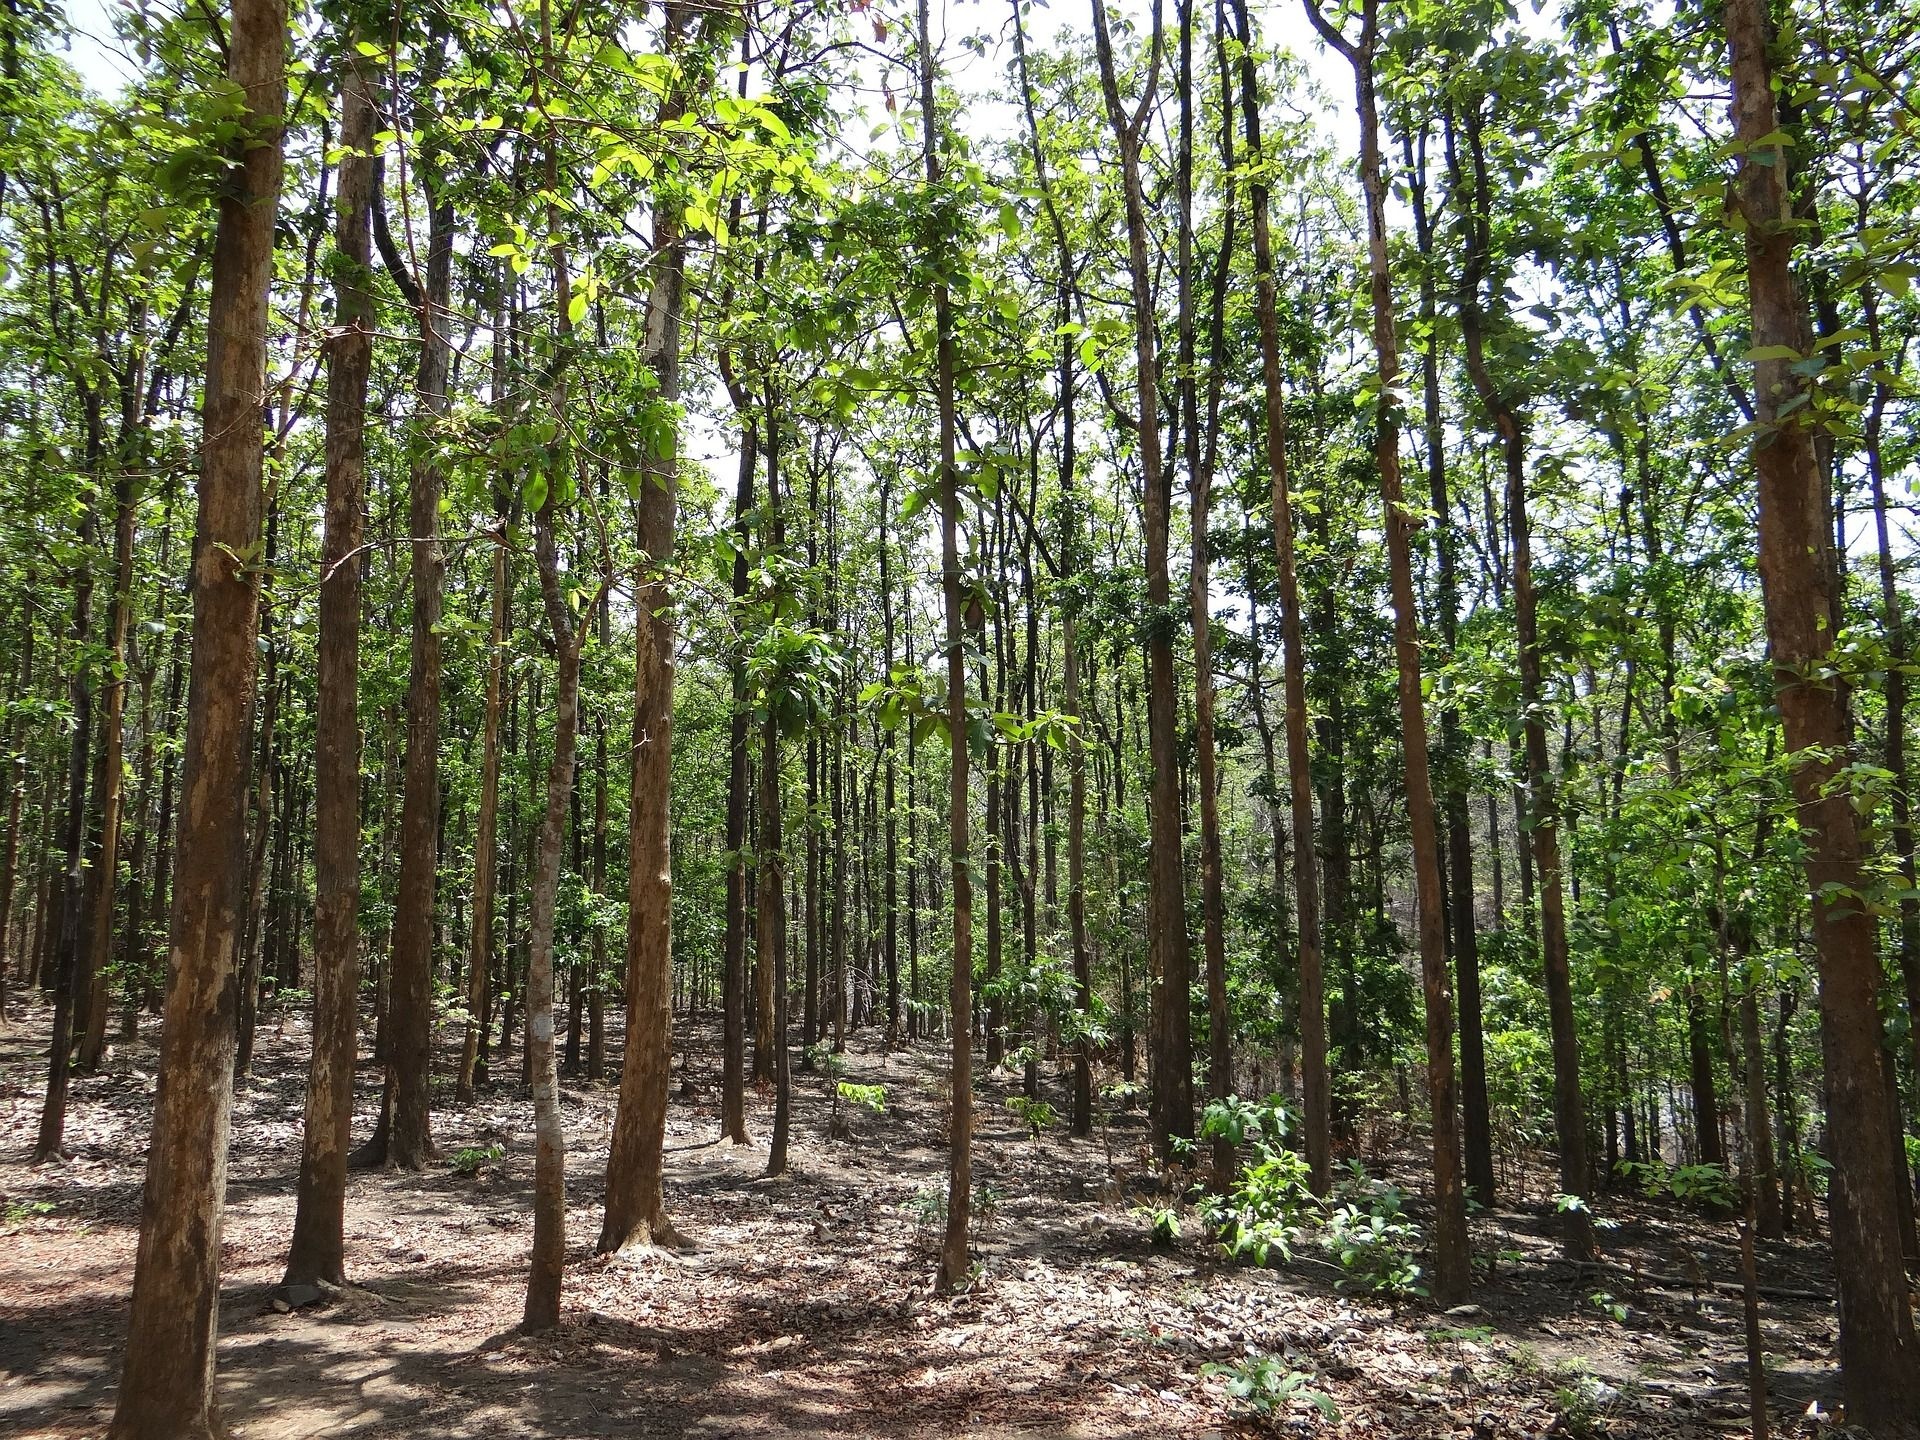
[804, 1308]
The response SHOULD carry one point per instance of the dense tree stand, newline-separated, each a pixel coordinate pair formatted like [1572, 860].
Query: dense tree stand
[1126, 698]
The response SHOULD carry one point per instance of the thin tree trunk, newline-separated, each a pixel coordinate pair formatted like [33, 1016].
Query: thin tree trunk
[1452, 1266]
[409, 1137]
[65, 938]
[486, 836]
[1316, 1106]
[1199, 451]
[1570, 1121]
[109, 781]
[318, 1248]
[953, 1248]
[1477, 1133]
[542, 1311]
[1169, 1017]
[16, 762]
[733, 1104]
[770, 870]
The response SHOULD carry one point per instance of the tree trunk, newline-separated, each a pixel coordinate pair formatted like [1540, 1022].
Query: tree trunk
[1452, 1266]
[409, 1141]
[15, 760]
[1880, 1362]
[68, 890]
[1169, 1012]
[486, 841]
[1315, 1087]
[953, 1248]
[770, 870]
[1569, 1110]
[166, 1387]
[317, 1251]
[635, 1206]
[542, 1310]
[733, 990]
[1463, 933]
[109, 781]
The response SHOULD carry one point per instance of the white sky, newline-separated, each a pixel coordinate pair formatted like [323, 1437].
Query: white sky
[97, 56]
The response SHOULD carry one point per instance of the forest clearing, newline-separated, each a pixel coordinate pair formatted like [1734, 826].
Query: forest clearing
[916, 717]
[804, 1307]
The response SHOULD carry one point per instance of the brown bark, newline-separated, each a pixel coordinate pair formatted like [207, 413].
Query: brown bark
[770, 871]
[1463, 932]
[1893, 621]
[15, 759]
[317, 1250]
[1315, 1087]
[1199, 450]
[1072, 546]
[635, 1207]
[953, 1247]
[166, 1387]
[1452, 1267]
[109, 778]
[66, 888]
[408, 1122]
[542, 1311]
[1879, 1357]
[486, 836]
[733, 999]
[263, 815]
[1169, 1013]
[1569, 1110]
[891, 856]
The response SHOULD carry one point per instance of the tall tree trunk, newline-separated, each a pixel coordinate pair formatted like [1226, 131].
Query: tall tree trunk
[1169, 1011]
[891, 855]
[1477, 1130]
[938, 244]
[15, 759]
[409, 1133]
[486, 834]
[166, 1386]
[68, 891]
[1893, 620]
[109, 778]
[733, 990]
[542, 1310]
[635, 1205]
[1316, 1106]
[1879, 1358]
[318, 1248]
[1452, 1266]
[770, 870]
[263, 815]
[1569, 1110]
[1199, 450]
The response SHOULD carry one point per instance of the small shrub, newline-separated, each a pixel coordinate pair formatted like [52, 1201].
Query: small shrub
[1036, 1115]
[1704, 1185]
[1604, 1302]
[927, 1208]
[986, 1205]
[1163, 1223]
[1375, 1244]
[869, 1097]
[468, 1159]
[1263, 1384]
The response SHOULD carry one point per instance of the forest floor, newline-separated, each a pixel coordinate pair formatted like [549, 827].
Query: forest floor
[805, 1308]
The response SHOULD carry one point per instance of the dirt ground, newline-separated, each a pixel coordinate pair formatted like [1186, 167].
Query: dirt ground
[806, 1308]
